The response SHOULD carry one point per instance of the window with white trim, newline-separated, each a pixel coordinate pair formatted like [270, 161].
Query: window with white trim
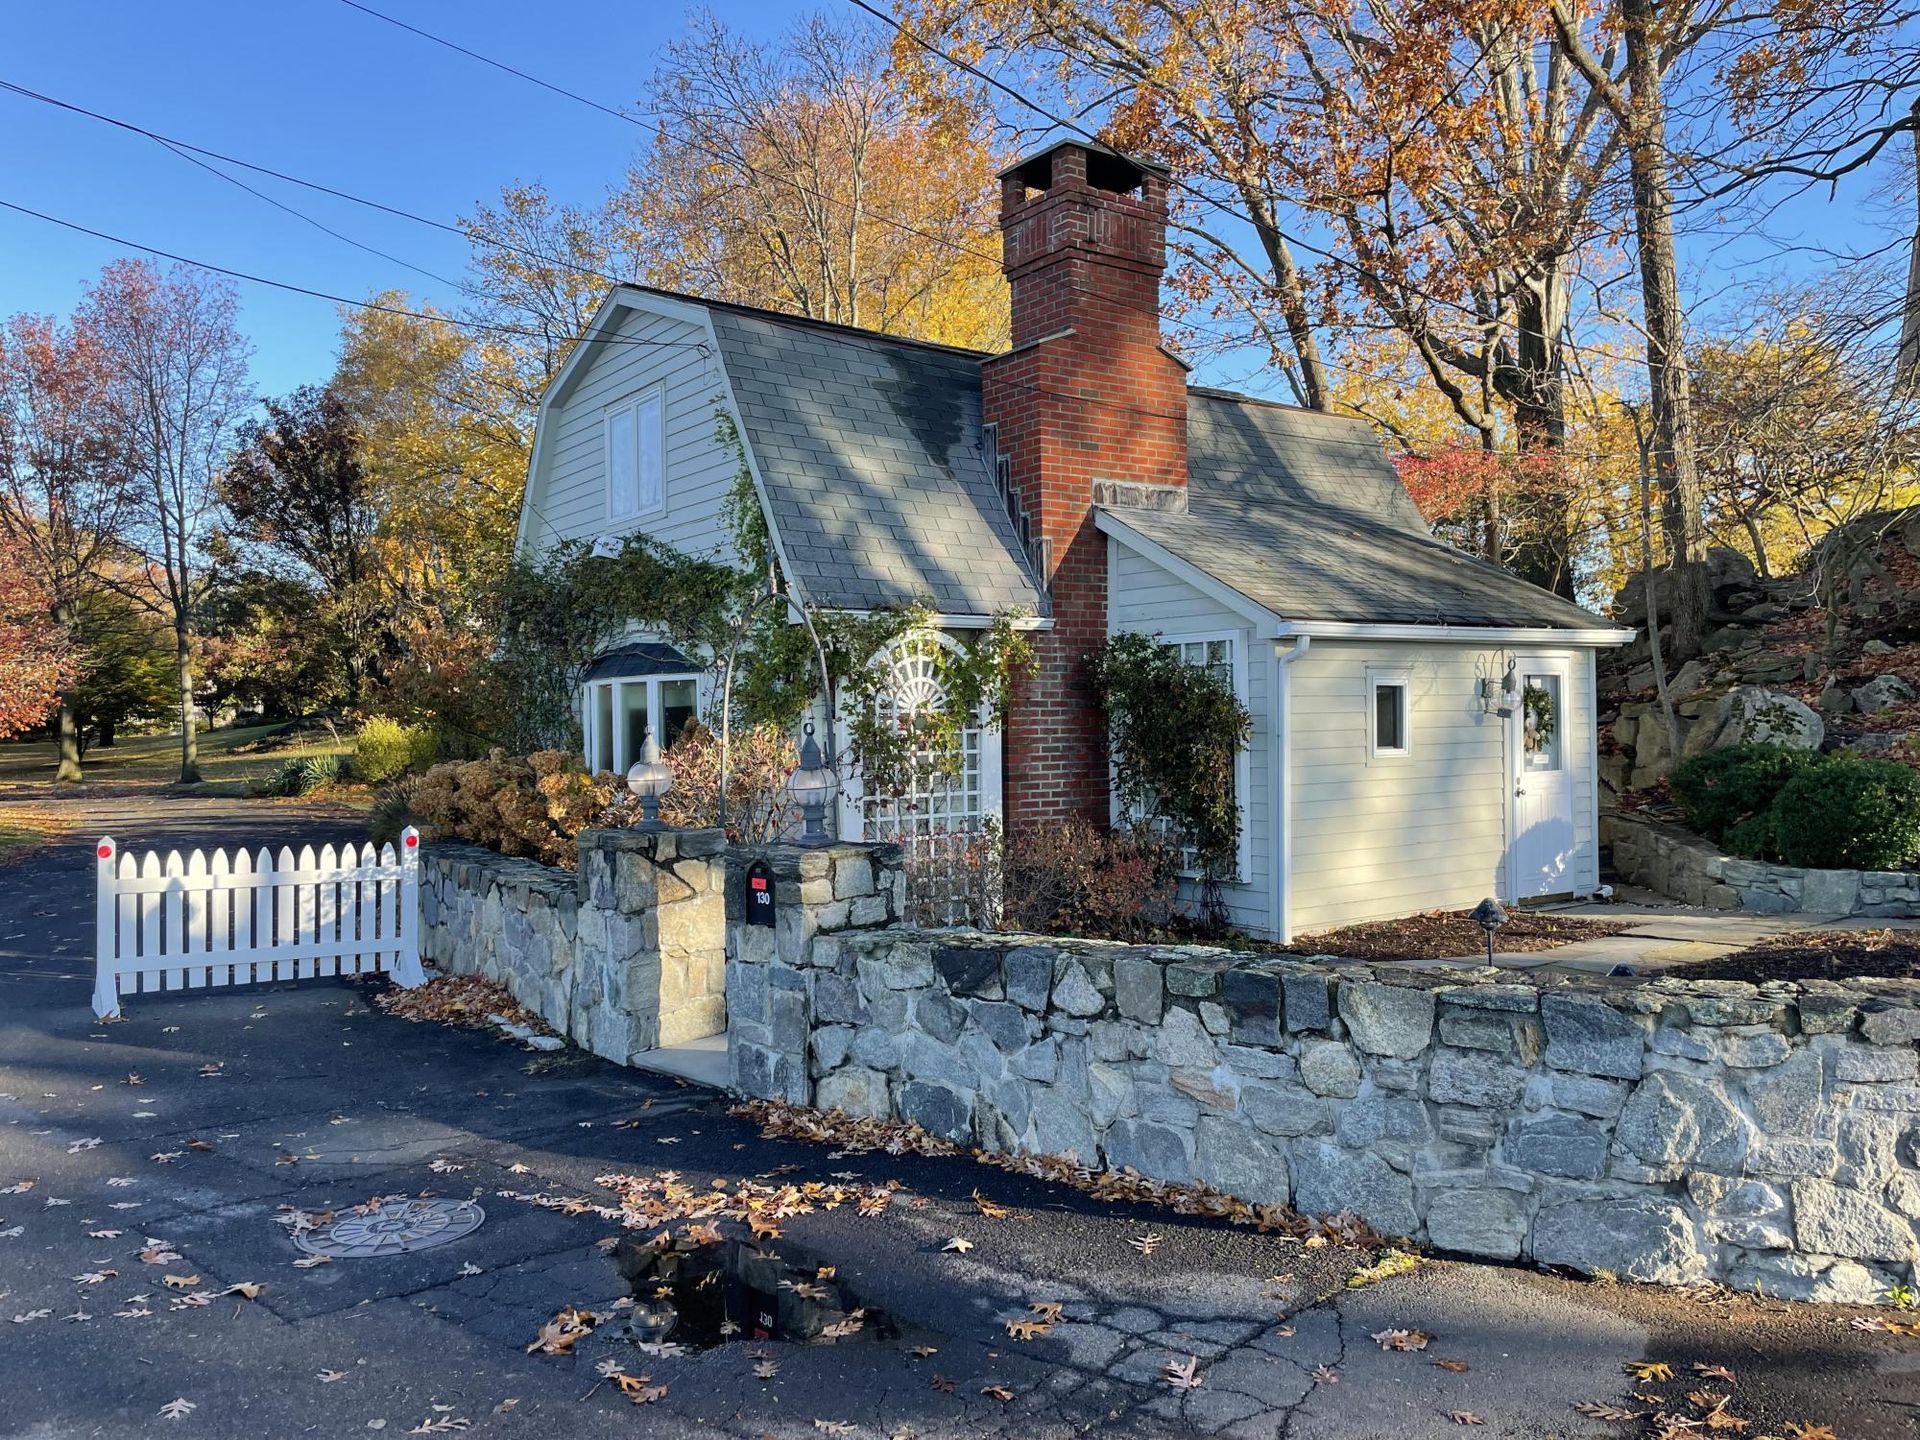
[1389, 714]
[636, 450]
[1221, 655]
[616, 714]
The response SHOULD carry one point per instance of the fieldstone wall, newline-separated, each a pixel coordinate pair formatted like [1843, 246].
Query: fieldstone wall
[624, 955]
[1687, 868]
[774, 998]
[1667, 1131]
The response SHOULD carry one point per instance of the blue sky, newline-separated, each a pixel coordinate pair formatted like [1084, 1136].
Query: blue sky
[319, 90]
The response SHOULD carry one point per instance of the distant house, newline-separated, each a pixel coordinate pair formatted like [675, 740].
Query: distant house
[1423, 722]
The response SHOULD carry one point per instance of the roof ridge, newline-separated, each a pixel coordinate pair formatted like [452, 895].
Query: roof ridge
[1214, 392]
[807, 322]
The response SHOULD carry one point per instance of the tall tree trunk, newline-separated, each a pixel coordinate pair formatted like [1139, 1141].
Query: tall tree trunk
[1670, 388]
[183, 673]
[1906, 374]
[69, 723]
[1533, 385]
[104, 730]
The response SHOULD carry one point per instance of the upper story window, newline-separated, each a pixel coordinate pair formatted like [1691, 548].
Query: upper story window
[636, 440]
[1390, 714]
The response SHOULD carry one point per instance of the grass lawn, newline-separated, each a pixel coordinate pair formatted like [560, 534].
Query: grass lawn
[155, 760]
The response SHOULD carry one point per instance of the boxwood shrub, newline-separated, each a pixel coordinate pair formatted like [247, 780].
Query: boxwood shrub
[1850, 814]
[1721, 789]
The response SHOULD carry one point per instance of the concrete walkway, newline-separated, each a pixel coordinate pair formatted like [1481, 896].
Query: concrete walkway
[1664, 936]
[308, 1096]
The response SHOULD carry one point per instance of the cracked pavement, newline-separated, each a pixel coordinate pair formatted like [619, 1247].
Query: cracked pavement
[321, 1100]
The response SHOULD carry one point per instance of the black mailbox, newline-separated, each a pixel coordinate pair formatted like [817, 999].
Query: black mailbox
[759, 896]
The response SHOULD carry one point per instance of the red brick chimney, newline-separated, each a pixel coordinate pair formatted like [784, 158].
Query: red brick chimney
[1086, 409]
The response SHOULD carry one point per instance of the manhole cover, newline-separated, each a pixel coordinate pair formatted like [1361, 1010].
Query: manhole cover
[395, 1228]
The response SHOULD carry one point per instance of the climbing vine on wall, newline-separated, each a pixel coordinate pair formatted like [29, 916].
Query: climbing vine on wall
[1176, 731]
[558, 614]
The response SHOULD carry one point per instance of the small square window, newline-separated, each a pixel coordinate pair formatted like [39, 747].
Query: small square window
[1389, 720]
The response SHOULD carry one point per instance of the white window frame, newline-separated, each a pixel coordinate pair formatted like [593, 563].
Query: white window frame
[616, 743]
[1378, 678]
[632, 405]
[1236, 641]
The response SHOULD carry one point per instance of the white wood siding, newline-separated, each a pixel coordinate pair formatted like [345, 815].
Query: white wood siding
[570, 496]
[1380, 837]
[1143, 597]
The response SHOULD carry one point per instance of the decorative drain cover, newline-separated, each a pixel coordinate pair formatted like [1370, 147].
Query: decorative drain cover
[395, 1228]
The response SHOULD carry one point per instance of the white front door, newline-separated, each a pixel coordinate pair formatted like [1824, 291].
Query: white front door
[1540, 855]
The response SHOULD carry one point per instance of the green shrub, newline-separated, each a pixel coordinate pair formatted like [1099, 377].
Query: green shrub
[1720, 789]
[1850, 814]
[305, 774]
[385, 748]
[392, 811]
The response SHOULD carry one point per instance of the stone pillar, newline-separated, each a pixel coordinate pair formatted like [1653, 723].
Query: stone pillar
[652, 954]
[772, 971]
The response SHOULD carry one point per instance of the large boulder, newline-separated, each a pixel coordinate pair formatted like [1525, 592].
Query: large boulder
[1755, 715]
[1882, 693]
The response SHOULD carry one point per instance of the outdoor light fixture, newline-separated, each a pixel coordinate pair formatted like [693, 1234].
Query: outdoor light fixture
[1489, 916]
[812, 786]
[649, 779]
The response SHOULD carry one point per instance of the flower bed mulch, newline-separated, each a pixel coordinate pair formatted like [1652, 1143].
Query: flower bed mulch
[1820, 955]
[1449, 935]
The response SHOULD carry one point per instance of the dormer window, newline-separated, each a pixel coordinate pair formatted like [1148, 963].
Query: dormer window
[636, 446]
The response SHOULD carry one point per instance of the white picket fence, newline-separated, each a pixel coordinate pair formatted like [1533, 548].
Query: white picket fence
[184, 924]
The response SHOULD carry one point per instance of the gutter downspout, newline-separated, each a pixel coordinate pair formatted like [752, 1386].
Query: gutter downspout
[1282, 886]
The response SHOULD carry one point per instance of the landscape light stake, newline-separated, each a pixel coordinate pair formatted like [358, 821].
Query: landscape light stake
[1489, 916]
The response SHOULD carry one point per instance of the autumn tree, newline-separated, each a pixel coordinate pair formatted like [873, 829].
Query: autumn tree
[66, 488]
[801, 175]
[297, 491]
[178, 370]
[36, 660]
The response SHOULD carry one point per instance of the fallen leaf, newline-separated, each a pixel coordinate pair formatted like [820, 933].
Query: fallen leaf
[1458, 1367]
[1464, 1417]
[203, 1147]
[997, 1392]
[1145, 1244]
[105, 1234]
[1326, 1375]
[30, 1316]
[159, 1254]
[944, 1384]
[1402, 1339]
[331, 1377]
[558, 1335]
[1048, 1310]
[77, 1146]
[95, 1277]
[956, 1244]
[1601, 1410]
[166, 1157]
[180, 1282]
[1713, 1372]
[636, 1388]
[132, 1079]
[178, 1409]
[311, 1261]
[1803, 1431]
[1656, 1371]
[1182, 1374]
[440, 1427]
[245, 1289]
[988, 1208]
[1027, 1329]
[923, 1352]
[834, 1427]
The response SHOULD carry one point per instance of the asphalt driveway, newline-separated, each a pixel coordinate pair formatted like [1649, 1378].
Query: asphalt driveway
[308, 1096]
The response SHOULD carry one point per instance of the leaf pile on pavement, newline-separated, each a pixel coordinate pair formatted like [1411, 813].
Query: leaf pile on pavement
[465, 1000]
[666, 1199]
[779, 1120]
[1698, 1414]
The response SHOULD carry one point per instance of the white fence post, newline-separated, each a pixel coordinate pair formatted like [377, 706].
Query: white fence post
[406, 961]
[106, 989]
[178, 924]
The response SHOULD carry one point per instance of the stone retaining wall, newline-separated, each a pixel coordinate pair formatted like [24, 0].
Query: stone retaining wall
[1662, 1131]
[1680, 864]
[621, 956]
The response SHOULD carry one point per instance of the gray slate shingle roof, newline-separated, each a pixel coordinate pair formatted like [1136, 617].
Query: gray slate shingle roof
[1303, 514]
[875, 466]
